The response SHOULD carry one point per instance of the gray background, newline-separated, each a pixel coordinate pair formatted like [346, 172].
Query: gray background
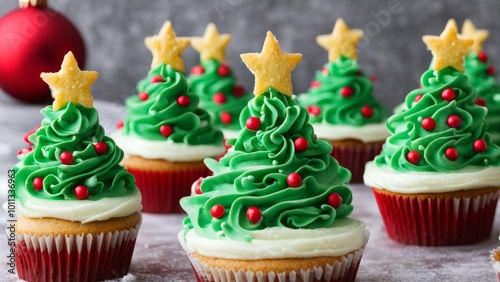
[392, 49]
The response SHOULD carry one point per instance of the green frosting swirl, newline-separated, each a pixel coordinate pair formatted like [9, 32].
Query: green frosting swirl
[255, 174]
[336, 109]
[73, 129]
[209, 83]
[407, 133]
[486, 88]
[191, 125]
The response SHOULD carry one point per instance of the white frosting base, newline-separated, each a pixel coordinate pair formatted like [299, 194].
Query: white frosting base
[230, 134]
[78, 210]
[167, 150]
[280, 242]
[430, 182]
[367, 133]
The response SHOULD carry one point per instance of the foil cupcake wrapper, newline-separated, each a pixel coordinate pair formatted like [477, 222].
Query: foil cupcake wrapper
[162, 190]
[85, 257]
[340, 271]
[437, 221]
[354, 158]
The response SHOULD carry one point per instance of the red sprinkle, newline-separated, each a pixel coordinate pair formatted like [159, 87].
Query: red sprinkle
[294, 179]
[217, 211]
[253, 123]
[334, 200]
[413, 157]
[254, 214]
[81, 192]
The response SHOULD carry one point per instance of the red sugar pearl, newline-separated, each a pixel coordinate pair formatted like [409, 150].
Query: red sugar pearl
[418, 97]
[480, 145]
[451, 154]
[413, 157]
[346, 91]
[367, 111]
[313, 110]
[428, 124]
[24, 151]
[143, 96]
[325, 71]
[315, 84]
[156, 79]
[300, 144]
[219, 98]
[490, 70]
[253, 123]
[225, 117]
[197, 187]
[482, 56]
[183, 101]
[480, 102]
[373, 78]
[217, 211]
[223, 70]
[294, 180]
[100, 148]
[254, 214]
[448, 94]
[38, 183]
[197, 70]
[81, 192]
[119, 124]
[238, 91]
[66, 158]
[166, 130]
[334, 200]
[454, 121]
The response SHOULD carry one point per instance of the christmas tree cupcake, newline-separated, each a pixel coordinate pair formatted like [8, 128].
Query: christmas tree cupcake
[77, 209]
[165, 135]
[480, 71]
[276, 205]
[437, 179]
[341, 104]
[213, 81]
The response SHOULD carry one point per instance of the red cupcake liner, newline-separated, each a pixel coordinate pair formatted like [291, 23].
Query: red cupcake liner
[81, 258]
[437, 221]
[354, 158]
[162, 190]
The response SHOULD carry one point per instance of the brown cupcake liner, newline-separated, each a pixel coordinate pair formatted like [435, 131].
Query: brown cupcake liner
[80, 258]
[437, 221]
[162, 190]
[354, 157]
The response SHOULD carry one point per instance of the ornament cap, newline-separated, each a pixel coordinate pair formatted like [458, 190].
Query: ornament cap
[32, 3]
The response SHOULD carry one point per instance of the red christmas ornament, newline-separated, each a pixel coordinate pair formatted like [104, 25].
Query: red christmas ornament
[81, 192]
[490, 70]
[315, 84]
[254, 214]
[238, 91]
[197, 187]
[428, 124]
[454, 121]
[367, 111]
[219, 98]
[225, 117]
[346, 91]
[294, 180]
[482, 56]
[119, 124]
[480, 145]
[183, 101]
[448, 94]
[223, 70]
[451, 154]
[197, 70]
[66, 158]
[217, 211]
[156, 79]
[480, 102]
[35, 39]
[313, 110]
[413, 157]
[143, 96]
[300, 144]
[325, 71]
[38, 183]
[253, 123]
[166, 130]
[100, 148]
[418, 97]
[334, 200]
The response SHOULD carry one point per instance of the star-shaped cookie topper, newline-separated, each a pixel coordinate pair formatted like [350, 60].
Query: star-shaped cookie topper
[271, 67]
[448, 50]
[212, 45]
[451, 23]
[469, 31]
[341, 42]
[166, 48]
[70, 84]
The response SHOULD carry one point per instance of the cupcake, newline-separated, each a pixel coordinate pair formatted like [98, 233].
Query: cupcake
[276, 207]
[480, 71]
[341, 104]
[495, 261]
[214, 82]
[165, 136]
[77, 209]
[436, 181]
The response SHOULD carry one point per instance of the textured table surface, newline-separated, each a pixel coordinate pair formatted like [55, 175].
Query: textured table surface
[159, 257]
